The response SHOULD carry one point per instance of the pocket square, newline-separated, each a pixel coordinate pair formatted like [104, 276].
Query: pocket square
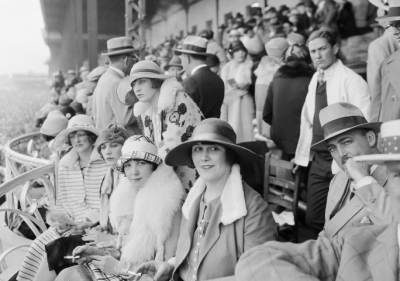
[365, 220]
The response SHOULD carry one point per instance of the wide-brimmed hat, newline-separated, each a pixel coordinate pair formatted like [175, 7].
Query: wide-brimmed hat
[79, 122]
[113, 133]
[119, 46]
[390, 134]
[211, 130]
[54, 123]
[138, 147]
[175, 61]
[193, 45]
[394, 12]
[341, 117]
[142, 69]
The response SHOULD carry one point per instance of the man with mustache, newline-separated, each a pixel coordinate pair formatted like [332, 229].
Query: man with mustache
[333, 82]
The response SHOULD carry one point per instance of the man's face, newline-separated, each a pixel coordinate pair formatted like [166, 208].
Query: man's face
[350, 144]
[322, 53]
[393, 187]
[394, 28]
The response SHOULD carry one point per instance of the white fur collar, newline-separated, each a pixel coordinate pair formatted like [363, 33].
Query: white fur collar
[71, 158]
[232, 198]
[166, 102]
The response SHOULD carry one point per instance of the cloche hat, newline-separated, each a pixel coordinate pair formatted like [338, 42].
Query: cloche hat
[119, 46]
[114, 133]
[54, 123]
[193, 45]
[142, 69]
[341, 117]
[79, 122]
[211, 130]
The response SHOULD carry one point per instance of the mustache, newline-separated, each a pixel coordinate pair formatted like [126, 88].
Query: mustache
[344, 159]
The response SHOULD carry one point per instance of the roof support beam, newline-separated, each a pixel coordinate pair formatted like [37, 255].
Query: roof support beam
[78, 34]
[92, 13]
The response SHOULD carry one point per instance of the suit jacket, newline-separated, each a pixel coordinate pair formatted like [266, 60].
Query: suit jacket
[388, 108]
[224, 244]
[378, 51]
[207, 90]
[107, 109]
[354, 211]
[356, 254]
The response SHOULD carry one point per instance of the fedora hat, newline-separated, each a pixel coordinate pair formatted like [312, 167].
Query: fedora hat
[79, 122]
[175, 61]
[193, 45]
[142, 69]
[341, 117]
[119, 46]
[390, 134]
[394, 12]
[211, 130]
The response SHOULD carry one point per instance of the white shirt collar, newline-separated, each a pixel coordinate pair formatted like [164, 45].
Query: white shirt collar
[198, 67]
[117, 70]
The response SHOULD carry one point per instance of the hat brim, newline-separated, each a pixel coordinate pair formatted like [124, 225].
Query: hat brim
[388, 18]
[181, 155]
[181, 51]
[373, 159]
[375, 126]
[60, 140]
[379, 4]
[121, 52]
[124, 87]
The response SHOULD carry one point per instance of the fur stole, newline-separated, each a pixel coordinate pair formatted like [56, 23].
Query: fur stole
[294, 70]
[232, 198]
[155, 207]
[121, 200]
[166, 102]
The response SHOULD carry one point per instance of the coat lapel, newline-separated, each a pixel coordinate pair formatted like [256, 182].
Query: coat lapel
[337, 191]
[384, 258]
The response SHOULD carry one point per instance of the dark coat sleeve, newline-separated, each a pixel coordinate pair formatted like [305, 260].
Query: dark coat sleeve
[190, 87]
[268, 105]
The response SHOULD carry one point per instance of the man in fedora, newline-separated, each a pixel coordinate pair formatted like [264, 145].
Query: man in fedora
[356, 195]
[213, 47]
[385, 105]
[356, 254]
[107, 109]
[204, 86]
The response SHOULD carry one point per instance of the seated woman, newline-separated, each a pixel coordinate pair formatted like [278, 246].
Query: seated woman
[223, 217]
[168, 114]
[154, 229]
[80, 173]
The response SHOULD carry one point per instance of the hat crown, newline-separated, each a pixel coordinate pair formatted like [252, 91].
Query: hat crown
[80, 120]
[196, 41]
[54, 123]
[394, 4]
[146, 66]
[119, 42]
[339, 110]
[214, 129]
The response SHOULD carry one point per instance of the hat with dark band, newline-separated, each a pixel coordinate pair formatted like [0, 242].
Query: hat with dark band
[394, 12]
[341, 117]
[119, 46]
[193, 45]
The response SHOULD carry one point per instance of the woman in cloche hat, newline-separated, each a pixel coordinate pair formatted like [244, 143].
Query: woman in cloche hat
[222, 216]
[153, 228]
[169, 115]
[80, 173]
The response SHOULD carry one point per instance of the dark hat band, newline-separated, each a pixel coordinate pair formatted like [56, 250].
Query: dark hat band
[194, 48]
[342, 124]
[120, 48]
[394, 12]
[145, 70]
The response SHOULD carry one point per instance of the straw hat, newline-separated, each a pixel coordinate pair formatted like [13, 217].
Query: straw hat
[193, 45]
[390, 133]
[211, 130]
[175, 61]
[142, 69]
[54, 123]
[341, 117]
[119, 46]
[138, 147]
[276, 47]
[79, 122]
[394, 12]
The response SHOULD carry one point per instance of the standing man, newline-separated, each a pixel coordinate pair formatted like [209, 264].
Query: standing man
[333, 82]
[204, 86]
[385, 104]
[213, 47]
[107, 109]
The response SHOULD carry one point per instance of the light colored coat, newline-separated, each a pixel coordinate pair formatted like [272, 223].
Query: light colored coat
[237, 224]
[378, 51]
[342, 85]
[357, 211]
[214, 48]
[356, 254]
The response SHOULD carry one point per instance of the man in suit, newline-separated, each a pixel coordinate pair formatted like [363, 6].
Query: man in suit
[356, 254]
[379, 78]
[204, 86]
[107, 109]
[358, 188]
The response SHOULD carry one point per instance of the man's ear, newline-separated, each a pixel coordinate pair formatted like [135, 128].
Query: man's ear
[371, 137]
[335, 49]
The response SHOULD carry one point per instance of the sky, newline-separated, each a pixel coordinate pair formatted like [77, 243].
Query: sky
[22, 47]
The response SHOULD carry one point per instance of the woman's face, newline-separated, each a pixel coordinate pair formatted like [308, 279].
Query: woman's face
[210, 161]
[143, 90]
[174, 70]
[80, 141]
[239, 56]
[111, 152]
[138, 172]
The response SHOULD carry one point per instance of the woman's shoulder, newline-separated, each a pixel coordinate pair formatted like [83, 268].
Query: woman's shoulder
[252, 197]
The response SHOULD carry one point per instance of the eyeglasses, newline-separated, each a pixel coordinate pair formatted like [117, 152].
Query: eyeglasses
[393, 27]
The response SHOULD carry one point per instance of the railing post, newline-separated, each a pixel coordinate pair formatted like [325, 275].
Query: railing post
[55, 158]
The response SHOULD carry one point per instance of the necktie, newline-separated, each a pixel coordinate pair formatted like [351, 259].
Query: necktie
[321, 76]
